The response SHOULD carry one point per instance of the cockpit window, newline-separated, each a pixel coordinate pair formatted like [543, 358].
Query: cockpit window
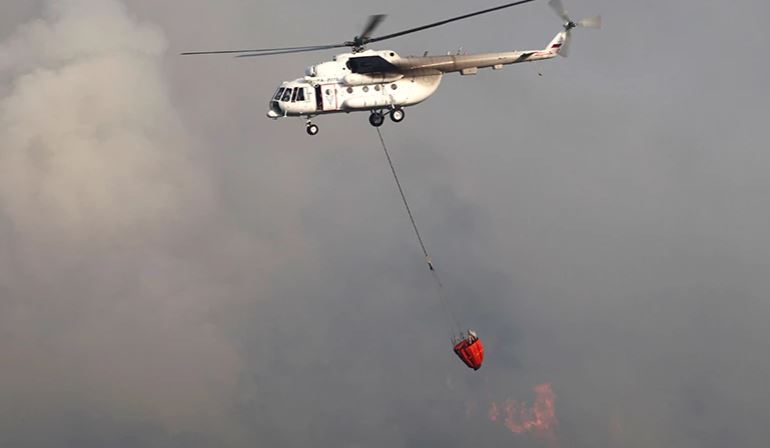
[299, 94]
[278, 94]
[287, 94]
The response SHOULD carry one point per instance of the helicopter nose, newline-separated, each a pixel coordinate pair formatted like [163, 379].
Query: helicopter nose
[275, 110]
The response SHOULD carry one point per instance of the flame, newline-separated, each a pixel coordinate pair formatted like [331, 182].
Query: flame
[520, 418]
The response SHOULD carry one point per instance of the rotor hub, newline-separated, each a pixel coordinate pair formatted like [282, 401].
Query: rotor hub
[357, 44]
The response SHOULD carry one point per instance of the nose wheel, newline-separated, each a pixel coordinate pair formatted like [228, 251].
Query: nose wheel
[311, 129]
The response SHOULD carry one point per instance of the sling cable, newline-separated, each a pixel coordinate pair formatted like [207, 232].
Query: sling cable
[467, 345]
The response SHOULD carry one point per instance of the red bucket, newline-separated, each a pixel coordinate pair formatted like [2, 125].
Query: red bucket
[471, 350]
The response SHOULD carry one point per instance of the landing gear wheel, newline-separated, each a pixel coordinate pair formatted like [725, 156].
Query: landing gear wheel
[311, 129]
[397, 115]
[376, 119]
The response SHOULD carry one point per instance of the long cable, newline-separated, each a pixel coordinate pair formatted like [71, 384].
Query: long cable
[439, 284]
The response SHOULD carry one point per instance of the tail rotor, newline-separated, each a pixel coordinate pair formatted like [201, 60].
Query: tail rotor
[569, 24]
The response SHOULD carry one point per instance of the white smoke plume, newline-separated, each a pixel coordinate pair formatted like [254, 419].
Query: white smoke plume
[100, 310]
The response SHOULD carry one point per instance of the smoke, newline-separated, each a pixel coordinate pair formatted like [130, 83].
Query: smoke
[538, 419]
[101, 194]
[89, 135]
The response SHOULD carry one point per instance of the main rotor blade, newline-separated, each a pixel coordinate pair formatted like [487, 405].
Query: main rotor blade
[289, 50]
[374, 22]
[558, 6]
[268, 50]
[443, 22]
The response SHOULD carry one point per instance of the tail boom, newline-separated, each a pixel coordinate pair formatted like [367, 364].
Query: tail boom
[469, 64]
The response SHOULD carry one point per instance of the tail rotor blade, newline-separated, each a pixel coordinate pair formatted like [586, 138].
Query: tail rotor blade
[569, 25]
[591, 22]
[558, 6]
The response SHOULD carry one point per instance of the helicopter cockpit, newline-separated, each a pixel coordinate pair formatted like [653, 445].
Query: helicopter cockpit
[289, 99]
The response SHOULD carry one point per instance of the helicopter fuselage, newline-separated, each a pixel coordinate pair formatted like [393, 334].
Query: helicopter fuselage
[377, 80]
[384, 83]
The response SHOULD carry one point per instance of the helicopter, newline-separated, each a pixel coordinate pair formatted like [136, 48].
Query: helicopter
[382, 82]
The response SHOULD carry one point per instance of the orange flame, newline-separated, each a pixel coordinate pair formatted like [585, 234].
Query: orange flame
[519, 418]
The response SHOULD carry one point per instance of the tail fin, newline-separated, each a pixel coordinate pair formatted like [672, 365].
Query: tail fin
[559, 43]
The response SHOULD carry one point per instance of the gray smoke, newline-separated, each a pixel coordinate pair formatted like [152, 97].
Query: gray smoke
[101, 192]
[177, 270]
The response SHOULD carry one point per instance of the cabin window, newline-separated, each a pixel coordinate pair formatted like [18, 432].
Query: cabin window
[350, 90]
[300, 94]
[287, 94]
[393, 86]
[366, 88]
[377, 87]
[278, 94]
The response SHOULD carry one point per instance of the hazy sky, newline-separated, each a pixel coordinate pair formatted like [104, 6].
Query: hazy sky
[176, 270]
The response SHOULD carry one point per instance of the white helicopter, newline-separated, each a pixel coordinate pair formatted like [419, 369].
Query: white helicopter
[383, 83]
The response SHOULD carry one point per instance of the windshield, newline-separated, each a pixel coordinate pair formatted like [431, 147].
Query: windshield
[286, 94]
[278, 94]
